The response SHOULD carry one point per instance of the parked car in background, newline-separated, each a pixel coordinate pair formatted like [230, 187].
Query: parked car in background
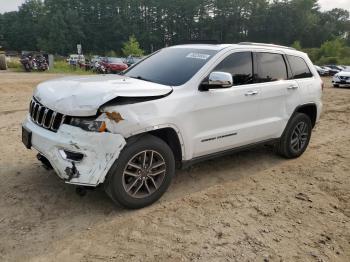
[342, 67]
[75, 59]
[321, 71]
[331, 71]
[85, 65]
[335, 67]
[113, 64]
[342, 79]
[130, 60]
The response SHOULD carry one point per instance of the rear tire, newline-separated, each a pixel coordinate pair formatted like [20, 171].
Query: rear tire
[3, 64]
[296, 136]
[142, 173]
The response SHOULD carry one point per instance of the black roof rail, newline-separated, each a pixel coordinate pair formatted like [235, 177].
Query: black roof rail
[267, 45]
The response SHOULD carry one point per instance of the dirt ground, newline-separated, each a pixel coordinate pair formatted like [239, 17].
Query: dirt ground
[250, 206]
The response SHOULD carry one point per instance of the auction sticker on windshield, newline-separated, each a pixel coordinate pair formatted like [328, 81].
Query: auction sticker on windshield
[198, 56]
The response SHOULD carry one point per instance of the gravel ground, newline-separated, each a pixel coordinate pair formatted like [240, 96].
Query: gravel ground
[250, 206]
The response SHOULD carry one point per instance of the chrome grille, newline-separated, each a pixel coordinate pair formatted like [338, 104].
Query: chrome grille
[45, 117]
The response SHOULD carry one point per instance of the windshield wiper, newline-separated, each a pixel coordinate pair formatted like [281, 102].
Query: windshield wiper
[141, 78]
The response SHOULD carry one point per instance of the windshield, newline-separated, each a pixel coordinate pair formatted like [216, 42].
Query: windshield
[171, 66]
[114, 60]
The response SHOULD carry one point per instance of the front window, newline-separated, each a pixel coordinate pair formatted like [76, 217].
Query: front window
[240, 66]
[171, 66]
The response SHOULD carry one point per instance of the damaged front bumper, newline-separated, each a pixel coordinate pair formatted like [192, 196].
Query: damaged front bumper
[79, 157]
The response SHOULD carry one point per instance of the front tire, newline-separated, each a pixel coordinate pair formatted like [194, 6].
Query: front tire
[296, 136]
[142, 173]
[335, 86]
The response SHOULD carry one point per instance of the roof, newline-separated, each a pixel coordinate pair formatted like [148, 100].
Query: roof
[219, 47]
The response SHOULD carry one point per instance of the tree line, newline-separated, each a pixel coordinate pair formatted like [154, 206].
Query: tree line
[101, 26]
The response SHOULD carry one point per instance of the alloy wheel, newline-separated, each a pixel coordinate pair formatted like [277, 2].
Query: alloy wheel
[299, 137]
[144, 174]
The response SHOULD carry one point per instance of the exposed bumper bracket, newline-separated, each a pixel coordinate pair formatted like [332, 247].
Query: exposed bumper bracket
[72, 172]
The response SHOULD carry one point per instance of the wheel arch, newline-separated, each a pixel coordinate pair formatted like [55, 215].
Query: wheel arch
[170, 135]
[309, 109]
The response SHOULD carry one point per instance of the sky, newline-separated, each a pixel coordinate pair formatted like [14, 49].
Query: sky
[12, 5]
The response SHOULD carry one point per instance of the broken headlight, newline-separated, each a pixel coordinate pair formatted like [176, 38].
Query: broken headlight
[88, 124]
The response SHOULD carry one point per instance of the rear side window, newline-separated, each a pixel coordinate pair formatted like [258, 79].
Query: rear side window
[270, 67]
[299, 67]
[240, 66]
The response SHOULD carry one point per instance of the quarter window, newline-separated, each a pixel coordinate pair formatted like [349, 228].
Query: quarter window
[270, 67]
[299, 67]
[240, 65]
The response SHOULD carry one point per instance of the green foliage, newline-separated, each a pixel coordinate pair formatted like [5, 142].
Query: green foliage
[328, 60]
[297, 45]
[314, 53]
[57, 26]
[14, 64]
[63, 67]
[111, 54]
[60, 67]
[331, 52]
[132, 47]
[332, 48]
[344, 61]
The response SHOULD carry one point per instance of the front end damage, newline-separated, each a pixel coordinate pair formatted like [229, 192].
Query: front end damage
[79, 157]
[94, 120]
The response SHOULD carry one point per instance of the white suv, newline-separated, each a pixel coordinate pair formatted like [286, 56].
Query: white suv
[181, 105]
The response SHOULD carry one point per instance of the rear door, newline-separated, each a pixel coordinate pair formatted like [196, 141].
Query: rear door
[278, 93]
[305, 80]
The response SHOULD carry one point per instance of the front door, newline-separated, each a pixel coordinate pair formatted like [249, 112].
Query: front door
[227, 117]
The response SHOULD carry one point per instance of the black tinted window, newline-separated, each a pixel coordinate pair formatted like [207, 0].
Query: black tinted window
[299, 67]
[171, 66]
[240, 66]
[270, 67]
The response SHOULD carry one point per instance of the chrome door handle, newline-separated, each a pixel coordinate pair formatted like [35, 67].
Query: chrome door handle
[252, 93]
[292, 87]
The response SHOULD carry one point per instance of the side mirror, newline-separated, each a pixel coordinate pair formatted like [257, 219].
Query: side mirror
[218, 80]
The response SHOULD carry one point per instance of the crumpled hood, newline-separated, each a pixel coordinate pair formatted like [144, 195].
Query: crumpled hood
[82, 96]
